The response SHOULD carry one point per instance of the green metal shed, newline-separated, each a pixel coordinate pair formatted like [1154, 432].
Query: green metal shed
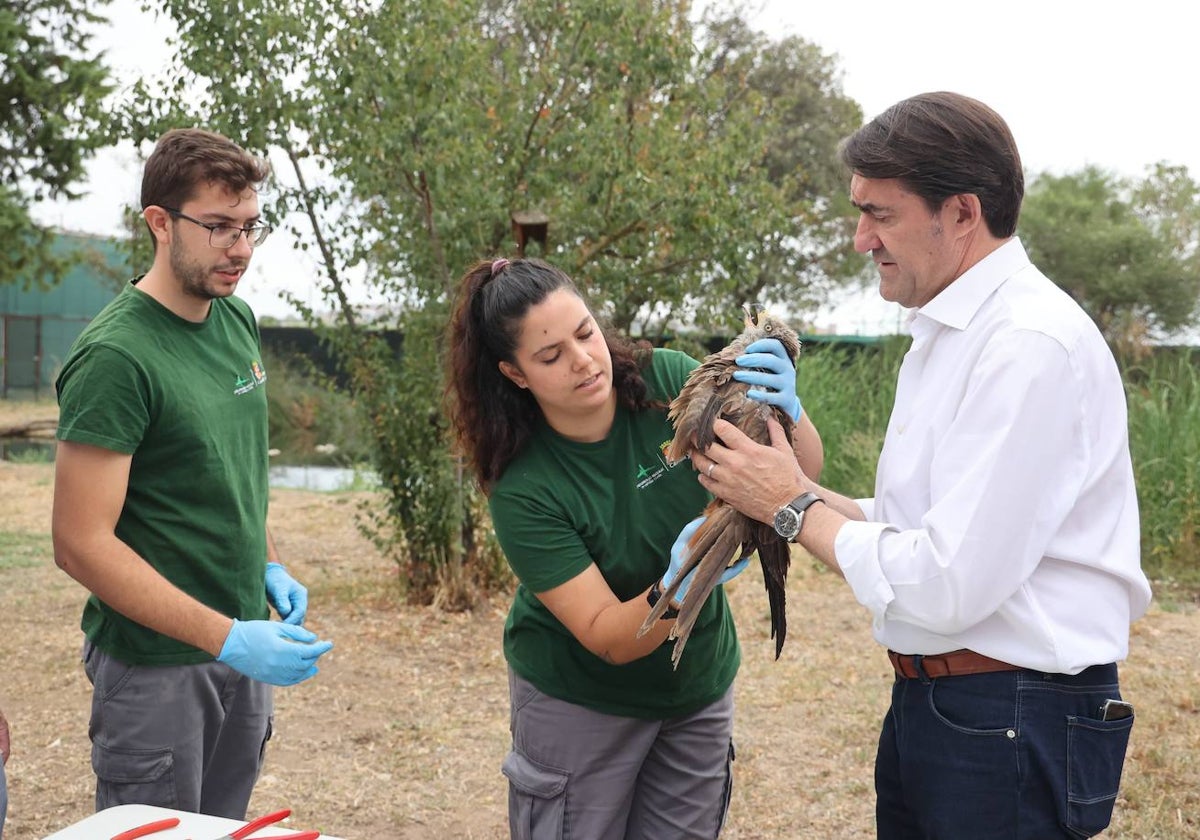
[38, 324]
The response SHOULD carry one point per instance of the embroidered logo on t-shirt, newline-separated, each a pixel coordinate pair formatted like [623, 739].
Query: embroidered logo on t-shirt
[243, 384]
[647, 475]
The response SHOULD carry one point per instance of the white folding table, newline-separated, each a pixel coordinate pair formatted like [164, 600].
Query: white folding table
[112, 821]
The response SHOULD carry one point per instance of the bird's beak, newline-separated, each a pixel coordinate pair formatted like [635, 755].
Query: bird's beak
[753, 310]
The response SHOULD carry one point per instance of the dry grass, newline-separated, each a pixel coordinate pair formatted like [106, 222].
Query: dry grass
[402, 734]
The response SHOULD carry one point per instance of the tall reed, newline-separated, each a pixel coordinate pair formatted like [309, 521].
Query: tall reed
[1164, 436]
[848, 394]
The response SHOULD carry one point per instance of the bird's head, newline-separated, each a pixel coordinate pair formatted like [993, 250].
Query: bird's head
[760, 323]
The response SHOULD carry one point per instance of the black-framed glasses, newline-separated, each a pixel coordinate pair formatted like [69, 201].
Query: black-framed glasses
[226, 236]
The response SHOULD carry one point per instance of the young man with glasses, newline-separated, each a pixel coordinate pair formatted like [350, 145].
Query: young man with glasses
[160, 501]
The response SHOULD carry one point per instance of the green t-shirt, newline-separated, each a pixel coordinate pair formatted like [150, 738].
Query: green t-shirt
[188, 401]
[561, 506]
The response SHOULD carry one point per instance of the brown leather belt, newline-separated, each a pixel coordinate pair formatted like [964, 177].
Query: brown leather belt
[956, 663]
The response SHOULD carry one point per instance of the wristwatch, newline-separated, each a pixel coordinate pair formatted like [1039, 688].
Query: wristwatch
[652, 598]
[790, 517]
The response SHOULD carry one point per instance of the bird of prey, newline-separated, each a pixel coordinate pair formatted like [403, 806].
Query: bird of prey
[727, 535]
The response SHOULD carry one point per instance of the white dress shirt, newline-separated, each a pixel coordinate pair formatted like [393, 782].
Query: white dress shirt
[1005, 518]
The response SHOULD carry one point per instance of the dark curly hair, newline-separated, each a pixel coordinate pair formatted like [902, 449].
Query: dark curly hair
[490, 417]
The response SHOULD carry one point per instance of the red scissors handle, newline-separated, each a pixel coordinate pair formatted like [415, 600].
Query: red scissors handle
[262, 822]
[148, 828]
[254, 825]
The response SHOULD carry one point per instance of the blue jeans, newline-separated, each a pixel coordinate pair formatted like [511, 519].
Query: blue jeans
[1012, 755]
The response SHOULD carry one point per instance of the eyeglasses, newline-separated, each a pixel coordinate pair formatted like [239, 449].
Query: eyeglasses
[226, 236]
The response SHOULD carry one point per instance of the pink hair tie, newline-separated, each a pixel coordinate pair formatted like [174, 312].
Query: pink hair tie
[498, 266]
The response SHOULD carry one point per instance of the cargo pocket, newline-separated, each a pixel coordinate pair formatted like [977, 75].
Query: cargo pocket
[124, 777]
[1095, 756]
[537, 799]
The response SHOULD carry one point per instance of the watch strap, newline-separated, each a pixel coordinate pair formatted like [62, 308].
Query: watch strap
[804, 501]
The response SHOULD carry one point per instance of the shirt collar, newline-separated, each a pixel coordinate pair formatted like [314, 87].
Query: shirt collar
[957, 304]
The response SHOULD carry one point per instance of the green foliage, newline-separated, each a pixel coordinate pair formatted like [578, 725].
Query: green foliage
[51, 92]
[668, 155]
[1164, 428]
[803, 115]
[1127, 252]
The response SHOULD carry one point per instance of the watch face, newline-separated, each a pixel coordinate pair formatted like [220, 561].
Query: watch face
[787, 523]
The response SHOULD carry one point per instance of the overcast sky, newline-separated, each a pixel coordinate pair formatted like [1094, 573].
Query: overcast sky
[1104, 83]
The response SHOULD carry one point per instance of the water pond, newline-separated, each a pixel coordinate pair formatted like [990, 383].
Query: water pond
[316, 477]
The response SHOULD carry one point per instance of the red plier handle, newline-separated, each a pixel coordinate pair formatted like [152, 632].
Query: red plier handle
[262, 822]
[148, 828]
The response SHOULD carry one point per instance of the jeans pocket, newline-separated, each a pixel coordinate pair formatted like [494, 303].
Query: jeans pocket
[537, 799]
[1095, 757]
[124, 777]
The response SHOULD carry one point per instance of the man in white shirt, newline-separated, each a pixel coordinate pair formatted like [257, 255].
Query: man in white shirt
[999, 557]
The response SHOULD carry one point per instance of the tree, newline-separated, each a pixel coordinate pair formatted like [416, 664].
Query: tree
[414, 131]
[50, 107]
[802, 116]
[1127, 251]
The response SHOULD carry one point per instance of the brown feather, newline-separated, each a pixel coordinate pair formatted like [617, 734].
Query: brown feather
[711, 392]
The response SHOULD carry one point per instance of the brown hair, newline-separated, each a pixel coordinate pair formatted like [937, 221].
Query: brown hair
[944, 144]
[491, 418]
[184, 158]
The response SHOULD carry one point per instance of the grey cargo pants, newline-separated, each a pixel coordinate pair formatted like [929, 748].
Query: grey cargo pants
[190, 737]
[579, 774]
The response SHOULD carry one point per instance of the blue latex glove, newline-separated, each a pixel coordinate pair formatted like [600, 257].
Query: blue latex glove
[272, 652]
[679, 556]
[288, 597]
[778, 374]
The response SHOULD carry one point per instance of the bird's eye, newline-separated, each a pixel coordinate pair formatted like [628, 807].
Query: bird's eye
[768, 327]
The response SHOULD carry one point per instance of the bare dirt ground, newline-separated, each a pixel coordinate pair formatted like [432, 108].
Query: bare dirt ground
[401, 734]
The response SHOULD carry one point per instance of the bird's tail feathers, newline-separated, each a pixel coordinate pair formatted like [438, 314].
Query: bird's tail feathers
[775, 557]
[715, 545]
[710, 551]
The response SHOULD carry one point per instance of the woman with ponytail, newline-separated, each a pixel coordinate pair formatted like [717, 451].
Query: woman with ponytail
[564, 427]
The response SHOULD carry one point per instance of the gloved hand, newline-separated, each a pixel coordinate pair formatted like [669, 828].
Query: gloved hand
[288, 597]
[779, 375]
[679, 556]
[272, 652]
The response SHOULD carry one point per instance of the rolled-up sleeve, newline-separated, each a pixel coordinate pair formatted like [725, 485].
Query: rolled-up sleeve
[856, 549]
